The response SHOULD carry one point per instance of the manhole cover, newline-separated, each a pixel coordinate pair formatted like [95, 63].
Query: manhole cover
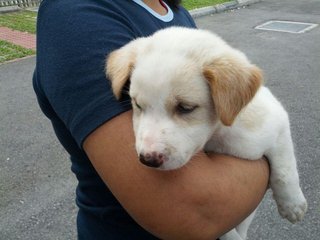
[286, 26]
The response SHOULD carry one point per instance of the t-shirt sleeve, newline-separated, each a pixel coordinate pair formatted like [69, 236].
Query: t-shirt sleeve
[72, 47]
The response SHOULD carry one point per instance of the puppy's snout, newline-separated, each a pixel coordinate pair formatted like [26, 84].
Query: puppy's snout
[153, 159]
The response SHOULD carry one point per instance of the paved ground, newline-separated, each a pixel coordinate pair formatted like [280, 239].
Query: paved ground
[37, 187]
[292, 69]
[23, 39]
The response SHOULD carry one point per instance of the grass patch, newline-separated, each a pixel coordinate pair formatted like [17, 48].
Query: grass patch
[192, 4]
[9, 51]
[24, 21]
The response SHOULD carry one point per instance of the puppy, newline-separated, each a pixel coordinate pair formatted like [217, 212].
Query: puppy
[190, 91]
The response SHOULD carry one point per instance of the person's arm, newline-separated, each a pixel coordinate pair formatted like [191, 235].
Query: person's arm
[202, 200]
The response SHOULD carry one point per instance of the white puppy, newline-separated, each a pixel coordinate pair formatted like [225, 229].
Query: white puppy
[191, 91]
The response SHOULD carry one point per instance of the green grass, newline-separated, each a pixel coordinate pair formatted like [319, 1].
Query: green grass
[192, 4]
[9, 51]
[24, 21]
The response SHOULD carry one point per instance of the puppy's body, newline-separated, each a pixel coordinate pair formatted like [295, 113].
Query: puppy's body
[192, 91]
[250, 135]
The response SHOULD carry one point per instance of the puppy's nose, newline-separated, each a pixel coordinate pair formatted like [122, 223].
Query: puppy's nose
[153, 159]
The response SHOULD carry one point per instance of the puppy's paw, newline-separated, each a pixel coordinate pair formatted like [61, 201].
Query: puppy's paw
[292, 208]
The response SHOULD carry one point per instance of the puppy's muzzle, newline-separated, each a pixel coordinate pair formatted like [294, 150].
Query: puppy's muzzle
[153, 159]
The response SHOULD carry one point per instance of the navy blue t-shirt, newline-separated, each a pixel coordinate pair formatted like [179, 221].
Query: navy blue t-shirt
[73, 39]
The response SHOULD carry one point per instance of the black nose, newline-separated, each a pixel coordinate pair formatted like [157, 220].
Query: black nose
[153, 159]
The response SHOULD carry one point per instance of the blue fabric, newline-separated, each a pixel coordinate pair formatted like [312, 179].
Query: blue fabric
[73, 39]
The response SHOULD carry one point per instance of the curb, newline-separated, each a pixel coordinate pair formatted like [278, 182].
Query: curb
[199, 12]
[17, 59]
[9, 9]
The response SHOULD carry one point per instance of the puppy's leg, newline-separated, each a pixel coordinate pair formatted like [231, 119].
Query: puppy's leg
[284, 179]
[243, 227]
[240, 232]
[231, 235]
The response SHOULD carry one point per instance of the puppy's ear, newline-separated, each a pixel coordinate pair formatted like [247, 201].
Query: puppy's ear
[119, 66]
[233, 84]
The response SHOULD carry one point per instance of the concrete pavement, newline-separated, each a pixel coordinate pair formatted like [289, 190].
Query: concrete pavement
[37, 186]
[292, 69]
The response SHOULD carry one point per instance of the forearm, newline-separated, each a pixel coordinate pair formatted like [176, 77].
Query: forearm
[200, 201]
[206, 198]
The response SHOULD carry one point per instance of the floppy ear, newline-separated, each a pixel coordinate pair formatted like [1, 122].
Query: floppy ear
[119, 66]
[233, 84]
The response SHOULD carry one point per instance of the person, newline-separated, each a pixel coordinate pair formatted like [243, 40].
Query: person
[118, 197]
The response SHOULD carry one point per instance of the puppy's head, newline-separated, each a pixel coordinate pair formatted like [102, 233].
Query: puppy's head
[180, 91]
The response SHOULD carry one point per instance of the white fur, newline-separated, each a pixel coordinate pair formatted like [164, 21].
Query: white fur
[168, 69]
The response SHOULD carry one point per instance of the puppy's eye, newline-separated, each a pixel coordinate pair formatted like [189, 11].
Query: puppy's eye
[137, 105]
[185, 109]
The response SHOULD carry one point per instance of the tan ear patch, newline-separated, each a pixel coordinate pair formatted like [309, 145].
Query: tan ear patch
[119, 66]
[233, 85]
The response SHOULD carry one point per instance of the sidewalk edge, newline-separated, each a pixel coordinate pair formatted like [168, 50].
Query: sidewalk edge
[199, 12]
[9, 9]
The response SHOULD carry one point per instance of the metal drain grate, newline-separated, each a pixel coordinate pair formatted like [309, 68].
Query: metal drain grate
[287, 26]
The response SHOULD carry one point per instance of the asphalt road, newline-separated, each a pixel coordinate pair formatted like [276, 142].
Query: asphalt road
[37, 186]
[291, 64]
